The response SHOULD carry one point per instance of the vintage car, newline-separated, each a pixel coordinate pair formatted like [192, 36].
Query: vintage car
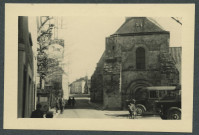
[170, 105]
[162, 100]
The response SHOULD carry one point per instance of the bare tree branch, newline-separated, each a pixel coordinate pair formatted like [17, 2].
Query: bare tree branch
[47, 19]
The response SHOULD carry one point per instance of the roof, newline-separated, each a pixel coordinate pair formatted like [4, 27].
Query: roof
[78, 80]
[139, 25]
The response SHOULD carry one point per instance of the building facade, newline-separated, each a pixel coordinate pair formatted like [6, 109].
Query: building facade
[137, 55]
[26, 70]
[80, 86]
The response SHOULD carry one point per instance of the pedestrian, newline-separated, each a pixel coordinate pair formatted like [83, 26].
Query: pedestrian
[130, 111]
[57, 105]
[73, 101]
[133, 108]
[37, 113]
[62, 105]
[69, 101]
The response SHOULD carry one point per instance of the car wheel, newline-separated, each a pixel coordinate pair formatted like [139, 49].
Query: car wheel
[139, 110]
[174, 115]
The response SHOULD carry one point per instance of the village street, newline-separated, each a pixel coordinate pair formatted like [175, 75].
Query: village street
[85, 109]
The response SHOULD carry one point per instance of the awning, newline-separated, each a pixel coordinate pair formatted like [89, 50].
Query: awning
[161, 88]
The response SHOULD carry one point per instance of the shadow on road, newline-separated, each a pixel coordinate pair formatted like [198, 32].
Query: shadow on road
[82, 103]
[118, 115]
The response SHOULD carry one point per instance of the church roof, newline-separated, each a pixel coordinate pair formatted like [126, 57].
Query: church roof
[140, 25]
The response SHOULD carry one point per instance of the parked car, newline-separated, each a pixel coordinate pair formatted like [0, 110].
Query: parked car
[170, 106]
[162, 100]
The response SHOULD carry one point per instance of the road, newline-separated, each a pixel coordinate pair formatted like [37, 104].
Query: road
[85, 109]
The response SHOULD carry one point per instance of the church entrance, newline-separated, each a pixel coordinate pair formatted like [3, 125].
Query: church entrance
[141, 94]
[137, 91]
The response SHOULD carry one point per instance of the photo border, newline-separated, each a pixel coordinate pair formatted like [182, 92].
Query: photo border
[49, 132]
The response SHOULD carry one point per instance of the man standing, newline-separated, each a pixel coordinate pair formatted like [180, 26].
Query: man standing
[57, 105]
[62, 104]
[37, 113]
[132, 109]
[69, 102]
[73, 102]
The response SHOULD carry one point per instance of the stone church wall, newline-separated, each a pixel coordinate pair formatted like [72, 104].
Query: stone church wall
[121, 77]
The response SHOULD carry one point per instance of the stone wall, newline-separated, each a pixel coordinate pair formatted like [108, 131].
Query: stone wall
[121, 78]
[96, 90]
[120, 60]
[111, 87]
[111, 75]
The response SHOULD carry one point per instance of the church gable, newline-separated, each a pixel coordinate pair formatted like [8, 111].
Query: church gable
[139, 25]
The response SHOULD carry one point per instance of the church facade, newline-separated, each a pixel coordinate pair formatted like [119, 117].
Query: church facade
[137, 55]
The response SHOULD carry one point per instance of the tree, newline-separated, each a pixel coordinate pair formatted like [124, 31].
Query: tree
[44, 35]
[49, 68]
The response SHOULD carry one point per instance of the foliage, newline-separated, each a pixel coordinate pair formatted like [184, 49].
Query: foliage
[47, 67]
[168, 68]
[167, 63]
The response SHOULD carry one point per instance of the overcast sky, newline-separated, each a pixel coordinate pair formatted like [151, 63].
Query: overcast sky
[85, 40]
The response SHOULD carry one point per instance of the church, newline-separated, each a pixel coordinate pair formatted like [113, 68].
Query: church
[137, 55]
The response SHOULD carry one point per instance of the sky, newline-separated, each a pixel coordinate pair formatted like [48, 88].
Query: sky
[85, 40]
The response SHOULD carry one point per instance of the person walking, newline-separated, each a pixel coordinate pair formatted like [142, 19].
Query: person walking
[62, 104]
[37, 113]
[69, 102]
[57, 105]
[73, 102]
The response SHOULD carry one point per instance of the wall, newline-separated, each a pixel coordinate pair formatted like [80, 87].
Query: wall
[77, 87]
[96, 86]
[117, 73]
[26, 93]
[120, 59]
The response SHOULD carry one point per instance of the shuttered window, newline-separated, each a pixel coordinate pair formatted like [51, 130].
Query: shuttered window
[140, 58]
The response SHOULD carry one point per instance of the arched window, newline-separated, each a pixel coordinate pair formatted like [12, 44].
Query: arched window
[140, 58]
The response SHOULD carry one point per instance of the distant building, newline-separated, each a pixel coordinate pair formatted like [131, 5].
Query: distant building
[87, 87]
[137, 55]
[80, 86]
